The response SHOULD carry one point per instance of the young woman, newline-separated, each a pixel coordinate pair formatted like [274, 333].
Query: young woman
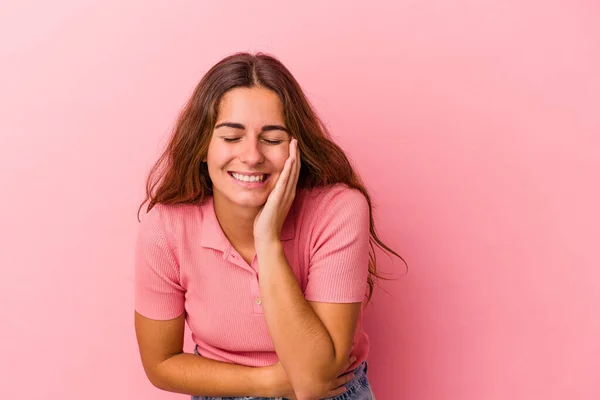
[260, 235]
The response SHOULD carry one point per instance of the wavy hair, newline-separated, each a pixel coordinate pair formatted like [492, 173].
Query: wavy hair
[179, 176]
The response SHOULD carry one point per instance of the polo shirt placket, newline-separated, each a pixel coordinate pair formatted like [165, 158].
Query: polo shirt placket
[235, 258]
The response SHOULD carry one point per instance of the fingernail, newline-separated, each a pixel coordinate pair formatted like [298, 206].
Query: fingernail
[352, 358]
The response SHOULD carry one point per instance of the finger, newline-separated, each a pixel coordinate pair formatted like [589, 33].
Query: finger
[342, 380]
[280, 186]
[348, 364]
[335, 392]
[297, 164]
[297, 154]
[292, 180]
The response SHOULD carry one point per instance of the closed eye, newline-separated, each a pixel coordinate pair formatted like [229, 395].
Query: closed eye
[267, 141]
[273, 142]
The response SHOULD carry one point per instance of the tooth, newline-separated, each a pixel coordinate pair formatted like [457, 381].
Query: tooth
[246, 178]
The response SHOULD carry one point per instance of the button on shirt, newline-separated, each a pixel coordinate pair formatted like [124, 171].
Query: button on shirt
[185, 263]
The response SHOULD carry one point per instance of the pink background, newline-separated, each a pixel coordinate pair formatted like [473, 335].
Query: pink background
[476, 125]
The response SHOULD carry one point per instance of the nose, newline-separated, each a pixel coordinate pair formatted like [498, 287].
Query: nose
[251, 153]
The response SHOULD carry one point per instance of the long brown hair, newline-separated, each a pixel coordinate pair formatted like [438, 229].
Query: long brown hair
[180, 176]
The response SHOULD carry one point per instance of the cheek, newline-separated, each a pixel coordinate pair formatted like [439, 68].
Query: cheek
[214, 162]
[278, 159]
[217, 156]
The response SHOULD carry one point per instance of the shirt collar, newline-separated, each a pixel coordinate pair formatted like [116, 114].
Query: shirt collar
[214, 238]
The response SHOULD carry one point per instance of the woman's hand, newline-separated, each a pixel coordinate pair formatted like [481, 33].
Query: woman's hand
[283, 388]
[270, 219]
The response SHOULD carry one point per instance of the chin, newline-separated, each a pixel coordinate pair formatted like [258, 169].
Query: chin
[248, 201]
[237, 197]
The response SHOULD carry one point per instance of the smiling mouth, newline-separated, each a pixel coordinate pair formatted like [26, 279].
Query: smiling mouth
[255, 178]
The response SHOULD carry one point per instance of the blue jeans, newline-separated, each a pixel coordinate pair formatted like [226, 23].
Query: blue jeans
[357, 389]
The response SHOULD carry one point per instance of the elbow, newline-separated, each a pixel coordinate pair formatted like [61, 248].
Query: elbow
[314, 384]
[308, 396]
[316, 381]
[155, 379]
[159, 373]
[312, 390]
[303, 396]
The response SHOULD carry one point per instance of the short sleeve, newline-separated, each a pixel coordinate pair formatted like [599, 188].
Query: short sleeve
[339, 248]
[158, 292]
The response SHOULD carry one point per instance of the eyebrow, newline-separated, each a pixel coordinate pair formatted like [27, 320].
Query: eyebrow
[265, 128]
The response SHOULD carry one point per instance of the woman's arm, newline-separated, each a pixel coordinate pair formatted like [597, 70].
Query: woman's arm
[169, 368]
[312, 340]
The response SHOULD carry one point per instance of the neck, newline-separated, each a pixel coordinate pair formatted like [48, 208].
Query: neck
[237, 224]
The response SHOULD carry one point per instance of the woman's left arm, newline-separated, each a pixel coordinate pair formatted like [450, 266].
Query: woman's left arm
[313, 340]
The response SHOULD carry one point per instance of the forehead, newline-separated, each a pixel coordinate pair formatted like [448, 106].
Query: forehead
[250, 105]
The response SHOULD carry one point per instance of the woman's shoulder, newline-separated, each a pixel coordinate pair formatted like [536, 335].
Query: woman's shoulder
[172, 218]
[328, 195]
[336, 200]
[167, 212]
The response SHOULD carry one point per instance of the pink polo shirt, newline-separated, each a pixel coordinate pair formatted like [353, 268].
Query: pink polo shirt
[185, 263]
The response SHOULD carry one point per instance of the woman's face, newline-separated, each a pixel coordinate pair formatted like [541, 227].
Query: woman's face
[248, 147]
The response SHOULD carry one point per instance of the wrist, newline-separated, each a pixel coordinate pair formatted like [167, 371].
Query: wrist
[271, 386]
[267, 245]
